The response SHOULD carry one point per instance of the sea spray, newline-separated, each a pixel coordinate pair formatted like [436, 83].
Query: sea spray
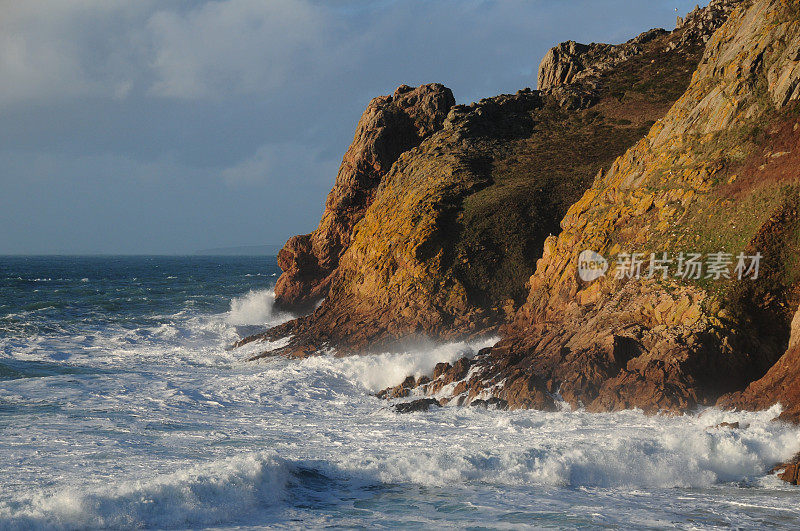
[381, 370]
[255, 308]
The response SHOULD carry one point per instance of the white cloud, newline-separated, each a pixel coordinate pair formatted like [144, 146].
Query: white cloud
[54, 49]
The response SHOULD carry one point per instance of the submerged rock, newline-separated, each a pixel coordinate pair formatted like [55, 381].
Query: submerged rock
[493, 403]
[423, 404]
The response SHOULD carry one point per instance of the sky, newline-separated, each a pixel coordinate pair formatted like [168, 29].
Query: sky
[150, 127]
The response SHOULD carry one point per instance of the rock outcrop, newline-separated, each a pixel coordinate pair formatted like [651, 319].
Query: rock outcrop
[390, 126]
[571, 62]
[711, 177]
[572, 72]
[652, 153]
[423, 404]
[444, 245]
[790, 471]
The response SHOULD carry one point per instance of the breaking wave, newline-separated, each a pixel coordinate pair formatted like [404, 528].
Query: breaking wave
[255, 308]
[381, 370]
[238, 487]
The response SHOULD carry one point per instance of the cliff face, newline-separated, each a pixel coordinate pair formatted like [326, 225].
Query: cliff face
[712, 176]
[781, 384]
[389, 126]
[447, 240]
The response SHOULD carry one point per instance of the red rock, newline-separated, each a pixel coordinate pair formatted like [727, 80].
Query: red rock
[789, 471]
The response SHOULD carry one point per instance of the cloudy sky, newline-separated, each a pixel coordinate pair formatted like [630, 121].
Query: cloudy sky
[166, 127]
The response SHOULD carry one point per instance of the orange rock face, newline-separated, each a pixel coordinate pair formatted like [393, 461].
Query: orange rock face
[789, 472]
[389, 126]
[666, 345]
[443, 247]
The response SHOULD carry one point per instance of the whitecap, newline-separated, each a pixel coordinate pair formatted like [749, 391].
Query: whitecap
[381, 370]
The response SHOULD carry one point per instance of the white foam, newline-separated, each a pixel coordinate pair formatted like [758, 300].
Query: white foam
[605, 452]
[170, 397]
[222, 491]
[255, 308]
[379, 371]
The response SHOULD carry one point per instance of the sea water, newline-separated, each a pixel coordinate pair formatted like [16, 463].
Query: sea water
[120, 406]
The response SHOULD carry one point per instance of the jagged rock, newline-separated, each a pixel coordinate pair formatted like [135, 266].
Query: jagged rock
[390, 126]
[402, 390]
[492, 402]
[573, 73]
[423, 404]
[571, 61]
[636, 344]
[408, 260]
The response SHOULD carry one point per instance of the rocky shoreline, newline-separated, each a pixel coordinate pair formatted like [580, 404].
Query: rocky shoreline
[450, 221]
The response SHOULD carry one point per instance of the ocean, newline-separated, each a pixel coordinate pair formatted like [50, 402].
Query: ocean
[121, 407]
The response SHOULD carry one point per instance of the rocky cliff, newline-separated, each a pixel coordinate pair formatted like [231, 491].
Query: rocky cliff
[438, 237]
[389, 126]
[715, 175]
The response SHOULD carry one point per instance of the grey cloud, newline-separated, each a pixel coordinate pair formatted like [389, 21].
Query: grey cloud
[282, 163]
[152, 126]
[223, 49]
